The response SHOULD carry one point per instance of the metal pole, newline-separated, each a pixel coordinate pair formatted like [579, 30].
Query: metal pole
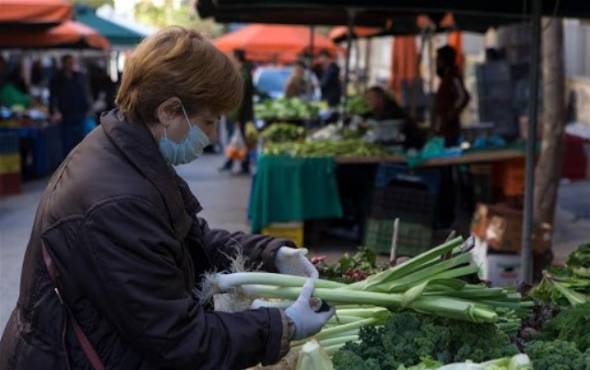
[351, 14]
[527, 230]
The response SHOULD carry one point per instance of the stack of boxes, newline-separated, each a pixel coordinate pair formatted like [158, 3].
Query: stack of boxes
[411, 196]
[10, 163]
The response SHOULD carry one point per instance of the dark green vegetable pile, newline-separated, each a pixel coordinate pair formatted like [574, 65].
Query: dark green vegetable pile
[557, 355]
[569, 284]
[408, 338]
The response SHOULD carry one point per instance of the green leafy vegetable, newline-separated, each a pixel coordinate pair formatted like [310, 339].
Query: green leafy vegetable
[283, 132]
[557, 355]
[571, 325]
[407, 338]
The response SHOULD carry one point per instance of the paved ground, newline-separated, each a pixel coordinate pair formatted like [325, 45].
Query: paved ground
[225, 199]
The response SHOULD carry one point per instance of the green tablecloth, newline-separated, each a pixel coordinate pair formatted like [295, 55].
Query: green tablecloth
[289, 189]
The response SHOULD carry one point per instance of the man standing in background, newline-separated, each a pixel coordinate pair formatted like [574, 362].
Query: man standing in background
[451, 97]
[69, 102]
[330, 79]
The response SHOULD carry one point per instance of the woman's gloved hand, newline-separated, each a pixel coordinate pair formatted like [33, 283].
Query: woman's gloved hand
[292, 261]
[307, 322]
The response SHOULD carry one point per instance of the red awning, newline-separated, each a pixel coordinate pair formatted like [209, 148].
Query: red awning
[67, 34]
[34, 12]
[273, 43]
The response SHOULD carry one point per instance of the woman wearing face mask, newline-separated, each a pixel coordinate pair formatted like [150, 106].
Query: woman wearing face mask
[117, 248]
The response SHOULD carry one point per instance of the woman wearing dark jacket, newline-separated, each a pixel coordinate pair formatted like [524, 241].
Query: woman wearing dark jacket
[117, 249]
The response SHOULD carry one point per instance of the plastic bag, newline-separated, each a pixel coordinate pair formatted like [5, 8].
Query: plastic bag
[236, 149]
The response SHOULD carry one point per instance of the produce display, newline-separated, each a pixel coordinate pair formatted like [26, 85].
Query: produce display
[323, 148]
[571, 325]
[407, 338]
[557, 355]
[349, 269]
[569, 284]
[287, 109]
[423, 314]
[429, 283]
[357, 105]
[283, 132]
[516, 362]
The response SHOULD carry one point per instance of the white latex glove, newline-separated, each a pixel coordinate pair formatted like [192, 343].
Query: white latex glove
[307, 322]
[291, 261]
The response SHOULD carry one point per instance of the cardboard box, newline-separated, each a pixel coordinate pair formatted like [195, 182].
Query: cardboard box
[500, 226]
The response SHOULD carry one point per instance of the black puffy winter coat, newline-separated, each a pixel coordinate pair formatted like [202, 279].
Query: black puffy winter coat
[122, 229]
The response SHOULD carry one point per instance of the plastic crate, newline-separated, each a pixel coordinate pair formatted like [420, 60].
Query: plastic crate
[9, 141]
[413, 203]
[10, 163]
[390, 173]
[412, 238]
[292, 231]
[10, 184]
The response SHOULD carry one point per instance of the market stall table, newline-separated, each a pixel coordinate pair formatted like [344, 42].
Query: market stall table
[466, 158]
[40, 147]
[320, 188]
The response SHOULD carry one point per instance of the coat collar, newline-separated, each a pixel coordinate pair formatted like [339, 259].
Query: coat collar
[139, 147]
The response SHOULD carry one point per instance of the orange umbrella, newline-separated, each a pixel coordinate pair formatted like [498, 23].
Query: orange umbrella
[264, 43]
[34, 12]
[67, 34]
[341, 32]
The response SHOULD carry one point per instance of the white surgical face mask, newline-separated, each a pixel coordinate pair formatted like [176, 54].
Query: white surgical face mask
[189, 149]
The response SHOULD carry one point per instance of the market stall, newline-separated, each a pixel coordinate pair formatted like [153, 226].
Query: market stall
[31, 144]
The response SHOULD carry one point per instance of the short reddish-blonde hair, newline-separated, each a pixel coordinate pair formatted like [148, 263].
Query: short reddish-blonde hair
[178, 62]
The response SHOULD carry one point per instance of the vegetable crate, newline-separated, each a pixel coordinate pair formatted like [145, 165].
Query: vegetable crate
[409, 203]
[413, 238]
[291, 231]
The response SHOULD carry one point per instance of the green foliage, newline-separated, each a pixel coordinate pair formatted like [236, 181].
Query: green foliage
[569, 285]
[286, 109]
[357, 105]
[571, 325]
[407, 338]
[557, 355]
[170, 13]
[283, 132]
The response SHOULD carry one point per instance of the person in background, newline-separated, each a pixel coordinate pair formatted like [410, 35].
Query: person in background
[245, 111]
[330, 79]
[451, 97]
[103, 90]
[383, 106]
[69, 102]
[12, 91]
[297, 85]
